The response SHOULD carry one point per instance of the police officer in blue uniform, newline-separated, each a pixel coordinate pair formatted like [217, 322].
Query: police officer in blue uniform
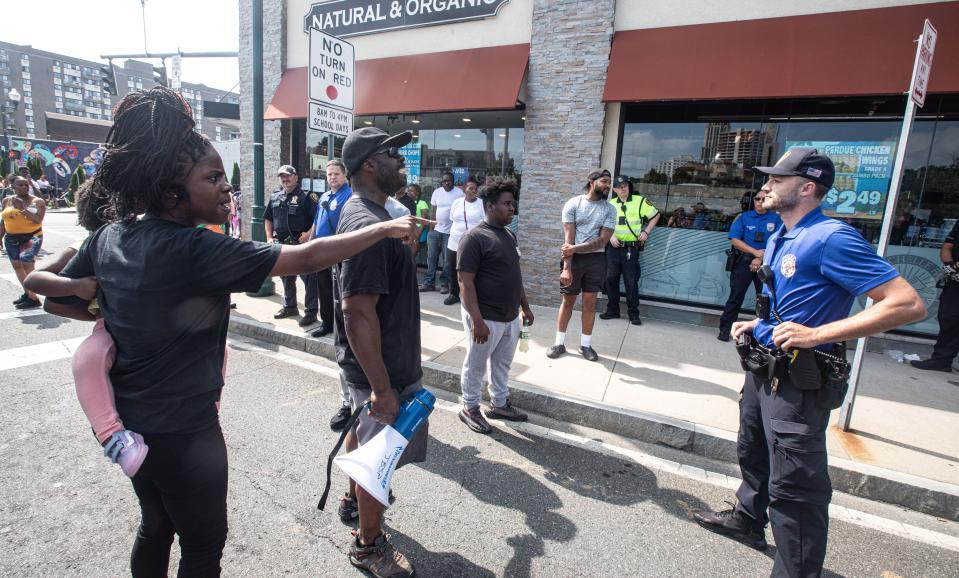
[813, 268]
[748, 235]
[287, 220]
[947, 342]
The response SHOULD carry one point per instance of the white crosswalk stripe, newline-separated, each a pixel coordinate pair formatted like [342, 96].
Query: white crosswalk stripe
[21, 314]
[40, 353]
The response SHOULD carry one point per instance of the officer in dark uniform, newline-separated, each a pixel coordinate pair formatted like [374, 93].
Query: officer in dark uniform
[287, 220]
[947, 342]
[814, 268]
[748, 235]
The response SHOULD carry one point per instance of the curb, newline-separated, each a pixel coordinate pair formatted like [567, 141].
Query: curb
[862, 480]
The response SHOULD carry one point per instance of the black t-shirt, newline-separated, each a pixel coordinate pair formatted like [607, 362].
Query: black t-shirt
[492, 254]
[409, 203]
[953, 237]
[164, 295]
[385, 269]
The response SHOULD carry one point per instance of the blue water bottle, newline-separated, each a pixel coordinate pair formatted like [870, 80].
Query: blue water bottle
[413, 413]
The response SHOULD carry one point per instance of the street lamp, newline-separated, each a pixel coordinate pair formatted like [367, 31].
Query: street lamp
[8, 107]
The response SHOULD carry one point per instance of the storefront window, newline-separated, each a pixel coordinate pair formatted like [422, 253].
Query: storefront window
[694, 161]
[479, 153]
[313, 165]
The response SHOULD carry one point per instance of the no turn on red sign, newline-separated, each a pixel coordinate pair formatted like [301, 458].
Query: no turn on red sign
[923, 65]
[332, 68]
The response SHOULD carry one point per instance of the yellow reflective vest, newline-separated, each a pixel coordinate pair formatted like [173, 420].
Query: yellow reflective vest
[632, 216]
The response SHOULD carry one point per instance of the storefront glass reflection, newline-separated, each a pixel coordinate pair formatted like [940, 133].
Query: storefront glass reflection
[700, 174]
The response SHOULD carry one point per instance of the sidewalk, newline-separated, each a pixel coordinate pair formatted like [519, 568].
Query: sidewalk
[678, 385]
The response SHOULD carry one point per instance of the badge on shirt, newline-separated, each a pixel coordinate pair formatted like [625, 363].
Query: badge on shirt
[788, 265]
[770, 227]
[294, 200]
[315, 197]
[333, 205]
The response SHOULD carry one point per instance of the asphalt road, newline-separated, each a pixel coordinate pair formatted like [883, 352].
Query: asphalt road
[509, 504]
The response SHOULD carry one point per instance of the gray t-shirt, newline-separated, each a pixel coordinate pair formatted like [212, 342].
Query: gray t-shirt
[590, 217]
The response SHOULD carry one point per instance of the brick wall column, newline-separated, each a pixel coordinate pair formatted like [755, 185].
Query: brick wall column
[565, 115]
[275, 133]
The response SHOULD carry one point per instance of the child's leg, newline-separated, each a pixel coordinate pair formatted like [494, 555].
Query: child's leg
[91, 372]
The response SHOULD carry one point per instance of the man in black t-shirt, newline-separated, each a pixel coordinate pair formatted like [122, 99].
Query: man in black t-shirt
[947, 342]
[376, 304]
[491, 288]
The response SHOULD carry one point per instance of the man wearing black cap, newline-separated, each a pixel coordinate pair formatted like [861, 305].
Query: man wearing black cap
[287, 220]
[816, 267]
[588, 222]
[376, 303]
[635, 218]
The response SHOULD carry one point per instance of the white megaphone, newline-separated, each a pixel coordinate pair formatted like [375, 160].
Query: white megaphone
[372, 464]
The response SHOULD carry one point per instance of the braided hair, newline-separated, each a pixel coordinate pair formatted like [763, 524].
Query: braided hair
[149, 150]
[91, 207]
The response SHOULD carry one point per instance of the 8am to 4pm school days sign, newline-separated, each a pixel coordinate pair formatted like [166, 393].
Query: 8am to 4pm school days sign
[345, 18]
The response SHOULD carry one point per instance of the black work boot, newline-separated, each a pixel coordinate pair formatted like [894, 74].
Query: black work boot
[940, 364]
[735, 525]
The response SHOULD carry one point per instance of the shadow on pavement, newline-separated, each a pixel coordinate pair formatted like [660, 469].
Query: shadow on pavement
[909, 447]
[47, 321]
[514, 489]
[429, 563]
[665, 381]
[624, 483]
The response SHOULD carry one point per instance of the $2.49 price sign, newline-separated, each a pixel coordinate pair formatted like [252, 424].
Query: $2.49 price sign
[863, 171]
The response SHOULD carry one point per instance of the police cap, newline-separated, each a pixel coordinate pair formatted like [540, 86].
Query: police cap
[803, 162]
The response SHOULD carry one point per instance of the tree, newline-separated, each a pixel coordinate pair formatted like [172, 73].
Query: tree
[77, 179]
[681, 176]
[655, 177]
[35, 166]
[235, 178]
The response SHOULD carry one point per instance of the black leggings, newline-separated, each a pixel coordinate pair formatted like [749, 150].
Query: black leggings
[451, 272]
[182, 489]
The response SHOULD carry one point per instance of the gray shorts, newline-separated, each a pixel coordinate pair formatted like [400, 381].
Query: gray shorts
[366, 427]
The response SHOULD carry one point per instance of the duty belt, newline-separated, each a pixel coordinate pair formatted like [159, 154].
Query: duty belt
[807, 369]
[629, 244]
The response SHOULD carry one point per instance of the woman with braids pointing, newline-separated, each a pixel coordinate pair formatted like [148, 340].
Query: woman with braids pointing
[164, 293]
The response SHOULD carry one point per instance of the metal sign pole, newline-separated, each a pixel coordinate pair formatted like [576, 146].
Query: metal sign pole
[889, 213]
[256, 220]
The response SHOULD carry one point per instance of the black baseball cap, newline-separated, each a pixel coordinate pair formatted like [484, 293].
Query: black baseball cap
[805, 162]
[599, 174]
[363, 142]
[621, 179]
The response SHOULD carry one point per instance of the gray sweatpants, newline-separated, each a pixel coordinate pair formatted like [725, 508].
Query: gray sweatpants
[344, 391]
[490, 360]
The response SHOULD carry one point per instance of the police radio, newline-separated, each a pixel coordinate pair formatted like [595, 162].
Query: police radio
[764, 302]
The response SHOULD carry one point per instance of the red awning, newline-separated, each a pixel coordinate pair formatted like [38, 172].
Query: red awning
[475, 79]
[862, 52]
[289, 100]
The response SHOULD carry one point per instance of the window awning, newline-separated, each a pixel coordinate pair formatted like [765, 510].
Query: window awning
[475, 79]
[862, 52]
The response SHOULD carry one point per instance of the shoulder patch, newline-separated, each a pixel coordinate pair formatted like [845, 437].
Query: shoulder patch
[315, 197]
